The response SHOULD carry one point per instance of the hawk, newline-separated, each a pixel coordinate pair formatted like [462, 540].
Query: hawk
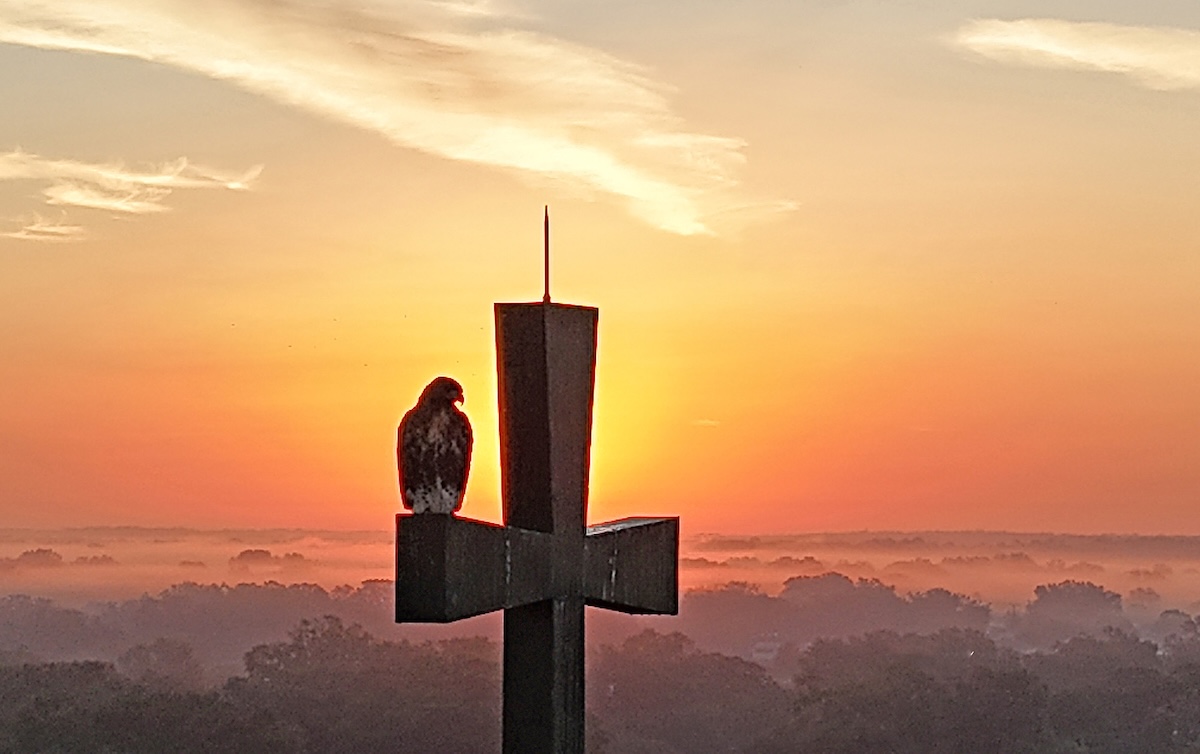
[433, 450]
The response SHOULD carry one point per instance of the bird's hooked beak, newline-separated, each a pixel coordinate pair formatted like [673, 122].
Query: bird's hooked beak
[460, 398]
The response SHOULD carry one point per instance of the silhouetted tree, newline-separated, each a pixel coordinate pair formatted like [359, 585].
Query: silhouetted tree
[731, 618]
[1094, 660]
[345, 691]
[657, 692]
[953, 691]
[39, 627]
[87, 707]
[1067, 609]
[938, 609]
[163, 665]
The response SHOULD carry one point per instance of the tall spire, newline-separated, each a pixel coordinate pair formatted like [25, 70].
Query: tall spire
[546, 256]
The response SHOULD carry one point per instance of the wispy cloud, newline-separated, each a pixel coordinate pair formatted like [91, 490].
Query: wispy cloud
[108, 187]
[1159, 58]
[38, 229]
[455, 79]
[113, 187]
[137, 202]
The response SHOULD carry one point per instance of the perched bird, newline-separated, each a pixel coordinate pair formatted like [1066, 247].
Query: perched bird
[433, 450]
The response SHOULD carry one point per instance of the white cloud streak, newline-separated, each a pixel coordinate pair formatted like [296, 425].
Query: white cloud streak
[113, 187]
[107, 187]
[1158, 58]
[47, 232]
[448, 78]
[136, 202]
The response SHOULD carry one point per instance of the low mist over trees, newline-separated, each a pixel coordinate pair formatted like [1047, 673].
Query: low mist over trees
[734, 618]
[332, 687]
[827, 665]
[219, 623]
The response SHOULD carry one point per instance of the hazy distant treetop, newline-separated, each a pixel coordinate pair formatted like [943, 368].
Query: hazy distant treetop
[1074, 595]
[1068, 609]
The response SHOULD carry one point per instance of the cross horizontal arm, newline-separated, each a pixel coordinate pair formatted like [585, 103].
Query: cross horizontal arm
[632, 565]
[448, 568]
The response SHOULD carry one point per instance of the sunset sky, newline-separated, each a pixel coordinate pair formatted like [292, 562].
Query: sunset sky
[859, 265]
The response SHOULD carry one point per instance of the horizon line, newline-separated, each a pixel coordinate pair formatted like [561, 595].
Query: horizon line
[137, 528]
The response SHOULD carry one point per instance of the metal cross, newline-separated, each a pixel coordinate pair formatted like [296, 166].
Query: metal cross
[544, 564]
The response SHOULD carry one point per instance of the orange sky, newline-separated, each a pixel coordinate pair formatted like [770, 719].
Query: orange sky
[858, 266]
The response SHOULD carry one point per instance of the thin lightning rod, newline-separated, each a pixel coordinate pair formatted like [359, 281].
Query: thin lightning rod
[546, 256]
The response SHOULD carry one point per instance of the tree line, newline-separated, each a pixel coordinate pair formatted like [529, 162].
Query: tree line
[332, 687]
[221, 622]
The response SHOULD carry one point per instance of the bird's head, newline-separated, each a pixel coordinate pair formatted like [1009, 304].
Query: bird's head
[444, 391]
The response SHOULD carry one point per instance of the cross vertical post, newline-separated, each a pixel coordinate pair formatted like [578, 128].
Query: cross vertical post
[546, 364]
